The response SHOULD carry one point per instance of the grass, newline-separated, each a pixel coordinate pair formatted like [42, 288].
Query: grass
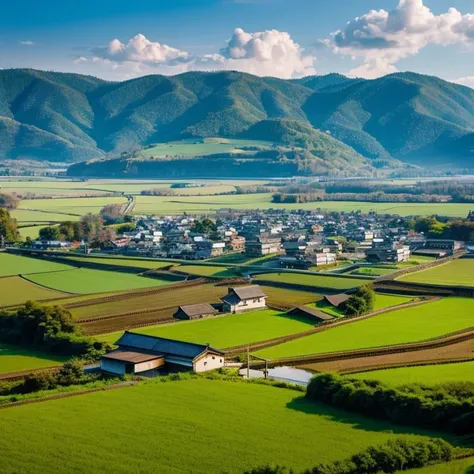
[164, 205]
[209, 146]
[227, 331]
[290, 297]
[18, 265]
[31, 232]
[402, 326]
[374, 272]
[122, 262]
[205, 271]
[83, 280]
[317, 281]
[16, 290]
[455, 272]
[16, 359]
[199, 426]
[426, 375]
[462, 466]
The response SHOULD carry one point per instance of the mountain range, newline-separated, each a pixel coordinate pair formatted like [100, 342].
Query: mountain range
[399, 119]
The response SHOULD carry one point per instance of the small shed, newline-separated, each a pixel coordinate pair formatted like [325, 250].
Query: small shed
[195, 311]
[336, 300]
[311, 313]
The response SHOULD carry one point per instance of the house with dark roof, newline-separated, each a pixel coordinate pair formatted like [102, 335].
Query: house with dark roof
[150, 355]
[311, 314]
[195, 311]
[244, 298]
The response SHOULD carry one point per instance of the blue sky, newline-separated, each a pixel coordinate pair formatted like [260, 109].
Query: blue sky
[284, 38]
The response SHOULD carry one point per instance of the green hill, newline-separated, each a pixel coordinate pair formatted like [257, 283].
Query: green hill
[336, 121]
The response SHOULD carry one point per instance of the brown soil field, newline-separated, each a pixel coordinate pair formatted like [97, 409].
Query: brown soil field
[459, 350]
[289, 297]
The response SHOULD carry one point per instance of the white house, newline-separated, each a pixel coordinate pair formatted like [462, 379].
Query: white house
[244, 298]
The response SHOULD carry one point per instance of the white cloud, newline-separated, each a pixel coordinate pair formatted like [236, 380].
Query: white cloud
[266, 53]
[27, 43]
[382, 38]
[466, 81]
[80, 59]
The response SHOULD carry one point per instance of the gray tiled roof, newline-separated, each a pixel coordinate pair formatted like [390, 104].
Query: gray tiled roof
[198, 309]
[161, 345]
[248, 292]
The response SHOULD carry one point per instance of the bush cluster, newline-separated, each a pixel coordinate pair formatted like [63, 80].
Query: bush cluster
[361, 302]
[448, 407]
[395, 455]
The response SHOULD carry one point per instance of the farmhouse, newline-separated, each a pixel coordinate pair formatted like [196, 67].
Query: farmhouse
[195, 311]
[311, 313]
[150, 355]
[336, 300]
[245, 298]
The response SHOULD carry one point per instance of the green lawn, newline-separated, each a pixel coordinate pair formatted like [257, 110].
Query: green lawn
[201, 270]
[456, 272]
[31, 232]
[405, 325]
[15, 359]
[318, 281]
[199, 426]
[83, 280]
[428, 374]
[16, 290]
[227, 331]
[18, 265]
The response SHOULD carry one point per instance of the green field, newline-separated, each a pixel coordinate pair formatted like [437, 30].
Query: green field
[427, 375]
[381, 302]
[16, 290]
[16, 359]
[202, 204]
[317, 281]
[456, 272]
[122, 262]
[83, 280]
[462, 466]
[402, 326]
[227, 331]
[199, 426]
[18, 265]
[208, 146]
[202, 270]
[30, 217]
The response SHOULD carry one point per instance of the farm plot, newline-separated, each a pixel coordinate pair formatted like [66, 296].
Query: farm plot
[228, 331]
[18, 265]
[16, 290]
[289, 297]
[82, 280]
[316, 281]
[165, 439]
[426, 375]
[173, 297]
[122, 262]
[207, 271]
[16, 359]
[402, 326]
[29, 217]
[455, 272]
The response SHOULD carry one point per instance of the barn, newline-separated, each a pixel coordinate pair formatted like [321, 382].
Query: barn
[336, 300]
[311, 313]
[150, 355]
[195, 311]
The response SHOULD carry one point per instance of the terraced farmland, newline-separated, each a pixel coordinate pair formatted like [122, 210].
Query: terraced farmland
[16, 290]
[456, 272]
[18, 265]
[82, 280]
[426, 375]
[402, 326]
[122, 262]
[316, 281]
[174, 412]
[228, 331]
[204, 271]
[16, 359]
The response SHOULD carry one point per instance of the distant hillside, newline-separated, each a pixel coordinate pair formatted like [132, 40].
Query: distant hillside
[340, 122]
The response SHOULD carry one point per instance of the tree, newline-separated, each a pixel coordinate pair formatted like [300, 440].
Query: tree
[8, 228]
[8, 201]
[204, 226]
[112, 214]
[49, 233]
[67, 231]
[361, 302]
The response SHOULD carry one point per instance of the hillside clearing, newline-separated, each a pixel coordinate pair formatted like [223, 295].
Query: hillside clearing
[230, 415]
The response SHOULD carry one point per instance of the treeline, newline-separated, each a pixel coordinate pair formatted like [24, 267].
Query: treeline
[448, 407]
[433, 228]
[49, 329]
[393, 456]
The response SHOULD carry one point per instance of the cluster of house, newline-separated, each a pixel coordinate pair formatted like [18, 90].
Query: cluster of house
[300, 239]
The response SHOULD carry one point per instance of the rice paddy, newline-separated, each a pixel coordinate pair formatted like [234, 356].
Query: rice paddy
[203, 425]
[456, 272]
[316, 281]
[402, 326]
